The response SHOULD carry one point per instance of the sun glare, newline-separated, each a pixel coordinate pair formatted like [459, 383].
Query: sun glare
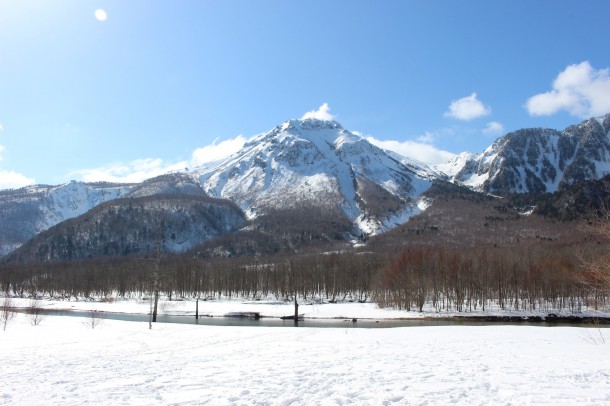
[101, 15]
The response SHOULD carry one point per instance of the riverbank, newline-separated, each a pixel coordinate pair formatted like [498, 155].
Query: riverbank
[310, 310]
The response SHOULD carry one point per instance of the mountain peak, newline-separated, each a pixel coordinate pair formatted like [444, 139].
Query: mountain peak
[310, 124]
[307, 128]
[316, 162]
[538, 160]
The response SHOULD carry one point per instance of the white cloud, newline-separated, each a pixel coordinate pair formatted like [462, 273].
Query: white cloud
[580, 90]
[134, 171]
[420, 151]
[427, 138]
[322, 113]
[146, 168]
[14, 180]
[467, 108]
[493, 128]
[217, 151]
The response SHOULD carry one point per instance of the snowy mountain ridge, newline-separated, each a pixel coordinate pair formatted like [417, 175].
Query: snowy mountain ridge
[30, 210]
[316, 162]
[537, 160]
[76, 198]
[134, 225]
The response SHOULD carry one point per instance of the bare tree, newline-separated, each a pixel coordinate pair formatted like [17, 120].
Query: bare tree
[94, 318]
[7, 312]
[155, 280]
[35, 312]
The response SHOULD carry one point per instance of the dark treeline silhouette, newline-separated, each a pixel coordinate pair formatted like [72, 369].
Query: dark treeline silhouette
[542, 278]
[328, 277]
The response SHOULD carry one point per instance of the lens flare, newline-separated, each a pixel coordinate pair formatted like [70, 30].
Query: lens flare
[101, 15]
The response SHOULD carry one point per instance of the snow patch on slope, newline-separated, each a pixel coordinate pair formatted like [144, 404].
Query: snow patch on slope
[456, 164]
[75, 198]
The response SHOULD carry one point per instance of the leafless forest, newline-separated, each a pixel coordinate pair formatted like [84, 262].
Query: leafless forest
[544, 277]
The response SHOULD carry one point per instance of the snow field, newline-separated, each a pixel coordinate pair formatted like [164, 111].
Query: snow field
[61, 361]
[270, 307]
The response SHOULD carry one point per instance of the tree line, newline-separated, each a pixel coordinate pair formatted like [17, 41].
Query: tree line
[547, 276]
[330, 277]
[497, 279]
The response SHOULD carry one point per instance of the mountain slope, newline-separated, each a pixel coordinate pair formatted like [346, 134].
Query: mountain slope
[459, 218]
[30, 210]
[318, 163]
[537, 160]
[27, 211]
[133, 225]
[175, 183]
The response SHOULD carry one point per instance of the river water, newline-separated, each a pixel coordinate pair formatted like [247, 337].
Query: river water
[319, 323]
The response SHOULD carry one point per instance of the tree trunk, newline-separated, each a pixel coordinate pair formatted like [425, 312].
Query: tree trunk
[296, 310]
[154, 319]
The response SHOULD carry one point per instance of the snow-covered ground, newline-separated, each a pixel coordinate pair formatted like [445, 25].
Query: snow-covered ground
[62, 361]
[269, 307]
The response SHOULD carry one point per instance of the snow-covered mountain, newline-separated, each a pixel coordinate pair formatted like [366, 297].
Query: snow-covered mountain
[299, 164]
[175, 183]
[457, 164]
[27, 211]
[537, 160]
[317, 168]
[134, 225]
[313, 162]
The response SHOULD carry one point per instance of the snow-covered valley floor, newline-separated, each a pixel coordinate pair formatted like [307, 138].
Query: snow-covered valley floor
[272, 308]
[64, 362]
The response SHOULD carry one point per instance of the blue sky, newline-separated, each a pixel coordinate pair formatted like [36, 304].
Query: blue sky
[123, 90]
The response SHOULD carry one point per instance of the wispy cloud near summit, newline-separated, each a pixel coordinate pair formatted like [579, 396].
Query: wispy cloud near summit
[218, 150]
[322, 113]
[493, 128]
